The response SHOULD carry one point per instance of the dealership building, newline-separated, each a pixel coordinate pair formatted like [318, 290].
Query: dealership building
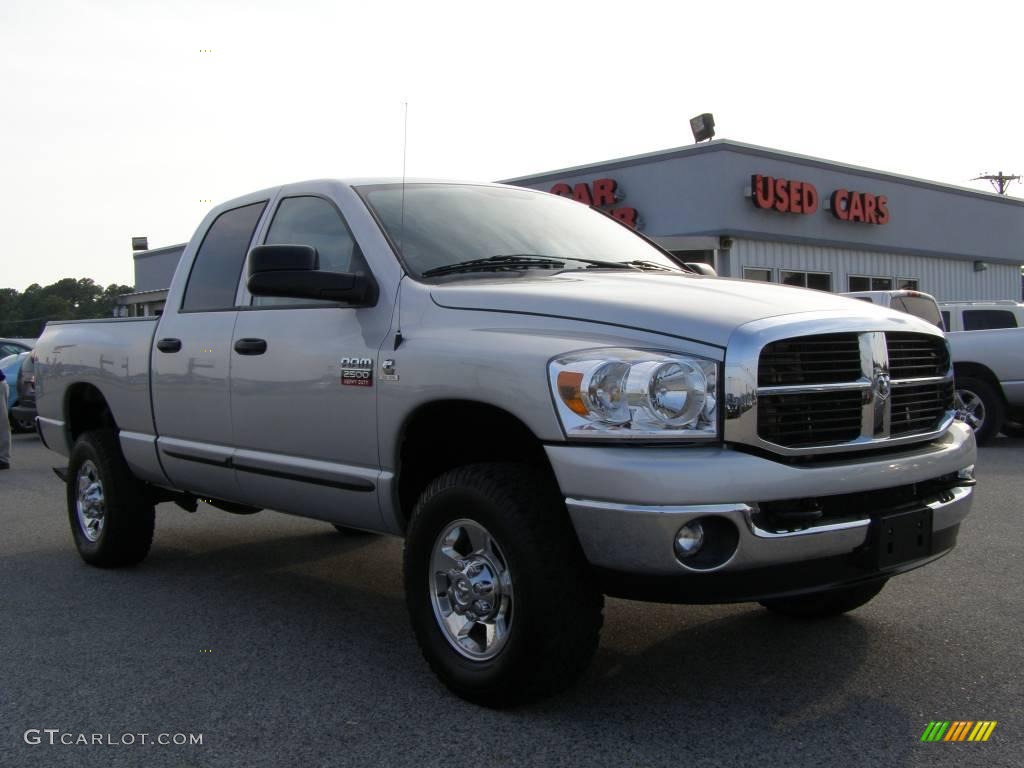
[762, 214]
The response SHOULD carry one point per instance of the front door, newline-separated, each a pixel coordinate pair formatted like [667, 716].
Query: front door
[303, 388]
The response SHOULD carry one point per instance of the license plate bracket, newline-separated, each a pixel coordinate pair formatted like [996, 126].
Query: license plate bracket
[902, 537]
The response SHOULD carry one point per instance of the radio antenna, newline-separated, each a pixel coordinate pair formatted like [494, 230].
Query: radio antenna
[405, 144]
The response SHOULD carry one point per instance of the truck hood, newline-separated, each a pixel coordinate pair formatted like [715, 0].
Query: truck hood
[701, 308]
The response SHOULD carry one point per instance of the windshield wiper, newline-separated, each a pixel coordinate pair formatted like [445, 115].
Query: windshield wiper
[642, 264]
[634, 264]
[492, 263]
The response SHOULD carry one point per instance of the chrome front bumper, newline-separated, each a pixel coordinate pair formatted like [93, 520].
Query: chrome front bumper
[628, 503]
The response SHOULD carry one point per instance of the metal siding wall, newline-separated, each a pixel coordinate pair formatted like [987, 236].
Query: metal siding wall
[946, 279]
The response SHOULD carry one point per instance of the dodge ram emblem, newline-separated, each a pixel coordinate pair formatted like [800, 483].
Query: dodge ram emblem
[357, 371]
[882, 385]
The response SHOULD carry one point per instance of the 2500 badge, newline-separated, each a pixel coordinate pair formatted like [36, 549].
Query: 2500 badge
[357, 371]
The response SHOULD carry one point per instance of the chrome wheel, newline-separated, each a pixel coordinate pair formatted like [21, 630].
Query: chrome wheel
[970, 408]
[91, 505]
[471, 590]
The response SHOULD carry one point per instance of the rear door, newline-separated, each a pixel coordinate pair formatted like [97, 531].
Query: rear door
[191, 360]
[303, 383]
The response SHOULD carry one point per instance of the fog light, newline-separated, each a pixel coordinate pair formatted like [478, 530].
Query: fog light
[689, 539]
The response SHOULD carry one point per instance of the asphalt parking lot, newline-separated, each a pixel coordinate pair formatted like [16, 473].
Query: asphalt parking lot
[286, 644]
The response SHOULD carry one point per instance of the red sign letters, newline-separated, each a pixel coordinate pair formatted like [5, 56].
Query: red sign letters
[601, 193]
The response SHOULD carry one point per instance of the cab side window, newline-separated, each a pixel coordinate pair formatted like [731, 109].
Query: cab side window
[313, 221]
[985, 319]
[213, 281]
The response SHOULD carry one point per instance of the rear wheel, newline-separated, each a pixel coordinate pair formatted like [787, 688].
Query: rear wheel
[110, 512]
[822, 605]
[980, 406]
[498, 590]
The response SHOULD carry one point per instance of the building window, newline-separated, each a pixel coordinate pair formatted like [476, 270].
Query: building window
[757, 273]
[907, 283]
[820, 281]
[864, 283]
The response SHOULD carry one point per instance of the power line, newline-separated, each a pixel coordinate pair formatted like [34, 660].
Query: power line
[999, 180]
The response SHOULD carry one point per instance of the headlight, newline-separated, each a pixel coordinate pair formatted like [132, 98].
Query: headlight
[635, 394]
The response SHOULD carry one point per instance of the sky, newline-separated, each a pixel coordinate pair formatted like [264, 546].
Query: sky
[134, 118]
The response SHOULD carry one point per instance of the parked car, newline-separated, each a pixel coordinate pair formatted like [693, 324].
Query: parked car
[11, 366]
[539, 399]
[10, 347]
[23, 412]
[916, 303]
[981, 315]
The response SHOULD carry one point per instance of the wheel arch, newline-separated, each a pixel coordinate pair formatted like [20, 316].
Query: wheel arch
[979, 371]
[445, 434]
[86, 408]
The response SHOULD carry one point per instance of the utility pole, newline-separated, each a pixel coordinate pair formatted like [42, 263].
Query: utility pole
[999, 180]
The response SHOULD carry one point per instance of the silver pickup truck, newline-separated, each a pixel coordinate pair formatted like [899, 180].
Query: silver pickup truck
[541, 401]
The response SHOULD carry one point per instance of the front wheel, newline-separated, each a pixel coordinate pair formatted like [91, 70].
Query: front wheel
[823, 605]
[110, 513]
[497, 587]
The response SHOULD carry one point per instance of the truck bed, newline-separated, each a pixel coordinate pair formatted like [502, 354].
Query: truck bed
[111, 355]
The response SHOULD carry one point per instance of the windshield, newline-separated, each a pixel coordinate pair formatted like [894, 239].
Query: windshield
[446, 224]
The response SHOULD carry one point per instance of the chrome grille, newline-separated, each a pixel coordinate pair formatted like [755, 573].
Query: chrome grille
[810, 419]
[913, 356]
[822, 359]
[852, 389]
[920, 407]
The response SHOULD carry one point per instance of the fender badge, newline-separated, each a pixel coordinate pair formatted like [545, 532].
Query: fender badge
[388, 371]
[357, 371]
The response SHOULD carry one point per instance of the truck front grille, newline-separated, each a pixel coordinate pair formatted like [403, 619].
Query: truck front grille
[852, 388]
[810, 419]
[920, 408]
[825, 359]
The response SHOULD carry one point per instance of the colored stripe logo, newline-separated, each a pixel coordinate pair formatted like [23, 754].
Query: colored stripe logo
[958, 730]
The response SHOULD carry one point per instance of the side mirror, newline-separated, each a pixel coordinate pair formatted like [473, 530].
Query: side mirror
[291, 271]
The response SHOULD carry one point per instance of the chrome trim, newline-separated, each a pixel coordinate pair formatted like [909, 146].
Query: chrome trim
[828, 528]
[919, 381]
[803, 389]
[636, 538]
[951, 511]
[741, 371]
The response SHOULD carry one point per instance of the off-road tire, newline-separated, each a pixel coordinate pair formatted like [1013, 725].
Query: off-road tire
[824, 605]
[129, 514]
[557, 610]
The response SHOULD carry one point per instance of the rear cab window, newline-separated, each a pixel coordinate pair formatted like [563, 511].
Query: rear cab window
[986, 319]
[213, 280]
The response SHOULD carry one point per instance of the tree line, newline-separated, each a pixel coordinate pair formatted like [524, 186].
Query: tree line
[24, 313]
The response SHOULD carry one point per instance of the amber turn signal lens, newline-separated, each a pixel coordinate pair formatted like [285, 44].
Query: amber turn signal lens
[569, 383]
